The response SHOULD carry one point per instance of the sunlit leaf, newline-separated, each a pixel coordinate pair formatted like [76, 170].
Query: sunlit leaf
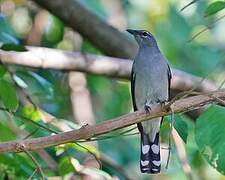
[210, 136]
[214, 8]
[65, 166]
[6, 169]
[31, 113]
[8, 95]
[83, 148]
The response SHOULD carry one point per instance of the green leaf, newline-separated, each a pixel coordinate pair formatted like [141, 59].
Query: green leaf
[65, 166]
[181, 126]
[6, 134]
[214, 8]
[8, 95]
[83, 148]
[54, 31]
[19, 162]
[13, 47]
[31, 113]
[2, 71]
[210, 136]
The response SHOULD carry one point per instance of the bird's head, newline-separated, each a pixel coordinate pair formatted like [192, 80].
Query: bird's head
[143, 37]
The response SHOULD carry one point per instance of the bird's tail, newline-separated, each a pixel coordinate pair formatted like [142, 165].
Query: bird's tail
[150, 154]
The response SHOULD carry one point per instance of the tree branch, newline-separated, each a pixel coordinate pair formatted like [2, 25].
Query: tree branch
[88, 132]
[38, 57]
[105, 37]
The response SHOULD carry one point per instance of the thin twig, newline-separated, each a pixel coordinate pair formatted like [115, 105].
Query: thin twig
[32, 175]
[12, 74]
[170, 136]
[91, 153]
[35, 123]
[35, 162]
[31, 134]
[219, 100]
[99, 138]
[189, 4]
[205, 29]
[182, 154]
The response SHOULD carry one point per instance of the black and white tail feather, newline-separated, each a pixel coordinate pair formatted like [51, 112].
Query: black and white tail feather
[150, 153]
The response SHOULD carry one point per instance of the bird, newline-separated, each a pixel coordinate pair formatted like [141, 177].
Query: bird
[150, 84]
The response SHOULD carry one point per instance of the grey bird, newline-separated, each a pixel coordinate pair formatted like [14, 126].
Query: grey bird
[150, 84]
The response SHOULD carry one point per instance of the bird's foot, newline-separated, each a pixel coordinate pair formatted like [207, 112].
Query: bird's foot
[147, 108]
[162, 103]
[165, 105]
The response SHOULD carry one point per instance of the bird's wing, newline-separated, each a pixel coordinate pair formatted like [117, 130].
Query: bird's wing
[133, 77]
[169, 80]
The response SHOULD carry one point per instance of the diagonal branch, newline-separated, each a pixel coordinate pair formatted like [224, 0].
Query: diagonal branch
[104, 36]
[38, 57]
[88, 132]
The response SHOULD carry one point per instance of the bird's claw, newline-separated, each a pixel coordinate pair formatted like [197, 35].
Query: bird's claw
[84, 126]
[147, 108]
[162, 104]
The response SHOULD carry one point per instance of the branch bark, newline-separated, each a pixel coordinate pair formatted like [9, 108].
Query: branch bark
[88, 132]
[38, 57]
[104, 36]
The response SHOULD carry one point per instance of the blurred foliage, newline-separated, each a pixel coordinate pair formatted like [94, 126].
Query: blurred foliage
[54, 31]
[210, 131]
[23, 23]
[8, 95]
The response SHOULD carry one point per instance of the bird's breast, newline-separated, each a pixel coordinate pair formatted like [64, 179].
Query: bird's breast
[151, 85]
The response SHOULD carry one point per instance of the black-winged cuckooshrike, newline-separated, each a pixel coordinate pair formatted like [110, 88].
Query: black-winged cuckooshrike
[150, 84]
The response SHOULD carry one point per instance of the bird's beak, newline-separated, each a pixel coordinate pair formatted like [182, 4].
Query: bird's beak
[133, 32]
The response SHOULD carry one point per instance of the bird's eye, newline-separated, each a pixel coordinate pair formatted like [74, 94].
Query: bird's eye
[145, 34]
